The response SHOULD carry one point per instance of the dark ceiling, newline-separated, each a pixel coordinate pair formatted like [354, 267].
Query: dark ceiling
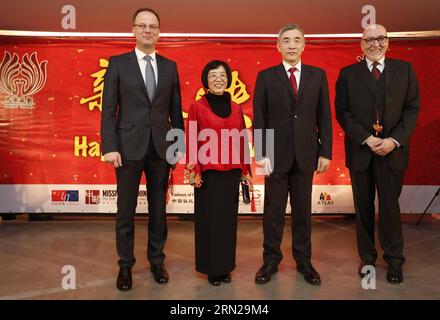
[225, 16]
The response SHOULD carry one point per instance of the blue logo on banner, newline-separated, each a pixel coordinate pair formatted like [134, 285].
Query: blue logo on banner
[71, 196]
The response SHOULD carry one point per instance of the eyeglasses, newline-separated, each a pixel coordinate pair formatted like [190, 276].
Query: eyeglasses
[380, 40]
[213, 76]
[144, 26]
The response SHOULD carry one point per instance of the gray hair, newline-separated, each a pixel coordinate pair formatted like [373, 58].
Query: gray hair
[290, 26]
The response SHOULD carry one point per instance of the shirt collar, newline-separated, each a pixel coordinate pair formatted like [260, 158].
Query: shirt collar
[381, 62]
[288, 66]
[140, 55]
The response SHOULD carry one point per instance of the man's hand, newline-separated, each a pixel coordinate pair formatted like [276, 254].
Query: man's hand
[373, 142]
[386, 146]
[264, 168]
[248, 179]
[323, 165]
[113, 158]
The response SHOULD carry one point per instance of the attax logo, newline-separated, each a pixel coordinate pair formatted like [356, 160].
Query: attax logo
[325, 199]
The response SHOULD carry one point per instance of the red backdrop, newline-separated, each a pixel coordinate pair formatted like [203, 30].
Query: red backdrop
[37, 145]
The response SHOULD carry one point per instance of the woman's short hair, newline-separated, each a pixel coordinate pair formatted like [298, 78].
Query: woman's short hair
[214, 64]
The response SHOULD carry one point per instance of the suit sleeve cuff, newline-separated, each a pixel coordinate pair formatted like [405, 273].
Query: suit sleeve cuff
[396, 142]
[365, 141]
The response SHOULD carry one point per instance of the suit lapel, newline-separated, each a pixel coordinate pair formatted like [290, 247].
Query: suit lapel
[304, 79]
[161, 70]
[390, 73]
[137, 72]
[390, 76]
[282, 75]
[365, 75]
[305, 75]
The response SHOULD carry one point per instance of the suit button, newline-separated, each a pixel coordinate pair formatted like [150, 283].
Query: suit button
[295, 116]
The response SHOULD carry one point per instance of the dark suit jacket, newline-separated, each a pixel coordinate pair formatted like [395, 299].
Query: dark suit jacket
[355, 94]
[127, 112]
[302, 127]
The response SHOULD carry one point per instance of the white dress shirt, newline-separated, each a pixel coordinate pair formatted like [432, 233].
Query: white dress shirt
[143, 63]
[380, 66]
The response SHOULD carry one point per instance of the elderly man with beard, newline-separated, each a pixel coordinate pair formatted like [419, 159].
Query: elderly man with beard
[377, 105]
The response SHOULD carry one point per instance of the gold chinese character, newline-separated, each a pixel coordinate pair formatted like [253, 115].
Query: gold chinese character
[98, 87]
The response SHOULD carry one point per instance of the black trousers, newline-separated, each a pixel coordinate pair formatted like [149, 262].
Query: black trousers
[277, 187]
[216, 210]
[388, 184]
[128, 179]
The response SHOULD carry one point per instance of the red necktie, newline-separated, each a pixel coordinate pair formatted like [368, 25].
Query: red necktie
[293, 81]
[375, 71]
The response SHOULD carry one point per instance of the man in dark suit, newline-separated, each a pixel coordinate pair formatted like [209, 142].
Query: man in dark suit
[141, 103]
[292, 100]
[377, 105]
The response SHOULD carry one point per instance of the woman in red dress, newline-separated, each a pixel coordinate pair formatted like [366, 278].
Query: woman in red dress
[218, 159]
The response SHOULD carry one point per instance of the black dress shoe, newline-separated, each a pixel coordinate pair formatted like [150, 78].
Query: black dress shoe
[362, 265]
[394, 275]
[226, 278]
[160, 273]
[310, 274]
[264, 274]
[124, 281]
[215, 280]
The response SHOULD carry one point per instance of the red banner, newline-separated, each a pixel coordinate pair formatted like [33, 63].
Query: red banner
[50, 102]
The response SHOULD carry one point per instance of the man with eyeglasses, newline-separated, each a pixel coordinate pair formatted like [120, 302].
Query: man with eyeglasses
[141, 103]
[377, 105]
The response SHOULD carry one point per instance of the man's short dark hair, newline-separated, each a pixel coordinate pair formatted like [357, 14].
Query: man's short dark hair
[214, 64]
[148, 10]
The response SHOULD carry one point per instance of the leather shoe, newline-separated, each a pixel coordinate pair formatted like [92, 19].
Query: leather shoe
[160, 273]
[124, 281]
[215, 280]
[226, 278]
[394, 275]
[264, 274]
[310, 274]
[362, 265]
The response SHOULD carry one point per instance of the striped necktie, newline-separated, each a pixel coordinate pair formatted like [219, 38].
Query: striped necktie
[375, 71]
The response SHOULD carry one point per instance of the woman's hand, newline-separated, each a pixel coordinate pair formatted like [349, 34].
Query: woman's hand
[197, 181]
